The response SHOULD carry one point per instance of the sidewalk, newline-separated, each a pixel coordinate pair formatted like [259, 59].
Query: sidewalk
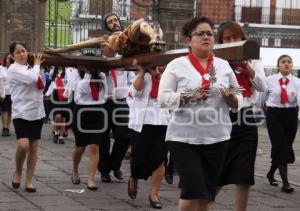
[53, 173]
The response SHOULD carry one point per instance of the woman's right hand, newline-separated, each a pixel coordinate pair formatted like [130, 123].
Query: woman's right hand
[38, 59]
[139, 70]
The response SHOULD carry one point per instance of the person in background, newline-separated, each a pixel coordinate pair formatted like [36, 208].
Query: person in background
[47, 82]
[282, 99]
[117, 121]
[199, 89]
[241, 149]
[148, 124]
[2, 90]
[59, 104]
[6, 102]
[89, 96]
[26, 86]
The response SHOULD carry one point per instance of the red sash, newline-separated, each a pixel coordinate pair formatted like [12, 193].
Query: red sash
[243, 79]
[40, 84]
[60, 88]
[94, 91]
[114, 77]
[200, 69]
[154, 88]
[283, 95]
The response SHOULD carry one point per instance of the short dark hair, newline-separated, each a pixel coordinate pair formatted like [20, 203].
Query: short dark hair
[105, 18]
[192, 23]
[281, 57]
[234, 27]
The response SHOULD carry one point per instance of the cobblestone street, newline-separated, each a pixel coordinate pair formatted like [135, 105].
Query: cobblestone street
[53, 173]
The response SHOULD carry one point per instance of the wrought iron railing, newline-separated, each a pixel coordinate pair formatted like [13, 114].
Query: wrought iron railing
[267, 15]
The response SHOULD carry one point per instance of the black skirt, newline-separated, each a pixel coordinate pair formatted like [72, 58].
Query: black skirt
[282, 124]
[6, 104]
[241, 150]
[28, 129]
[198, 167]
[88, 124]
[148, 150]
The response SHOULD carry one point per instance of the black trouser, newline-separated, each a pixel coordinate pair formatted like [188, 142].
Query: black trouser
[119, 126]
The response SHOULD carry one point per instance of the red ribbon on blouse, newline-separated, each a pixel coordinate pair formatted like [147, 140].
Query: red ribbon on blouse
[94, 91]
[284, 98]
[154, 88]
[60, 88]
[114, 77]
[200, 69]
[242, 78]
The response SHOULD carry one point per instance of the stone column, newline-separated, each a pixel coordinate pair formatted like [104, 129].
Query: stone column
[171, 15]
[22, 21]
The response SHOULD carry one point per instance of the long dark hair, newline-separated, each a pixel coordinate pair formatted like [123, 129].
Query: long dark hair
[55, 72]
[232, 26]
[5, 62]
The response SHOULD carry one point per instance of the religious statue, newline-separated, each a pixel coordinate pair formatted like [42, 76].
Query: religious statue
[139, 37]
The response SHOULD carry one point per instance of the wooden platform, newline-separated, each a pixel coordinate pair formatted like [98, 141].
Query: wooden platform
[242, 50]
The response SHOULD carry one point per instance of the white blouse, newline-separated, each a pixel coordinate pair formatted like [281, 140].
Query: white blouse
[4, 73]
[83, 93]
[2, 89]
[27, 99]
[124, 80]
[272, 96]
[145, 110]
[200, 122]
[52, 86]
[259, 83]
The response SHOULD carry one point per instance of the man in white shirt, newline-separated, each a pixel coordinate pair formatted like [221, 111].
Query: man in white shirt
[117, 122]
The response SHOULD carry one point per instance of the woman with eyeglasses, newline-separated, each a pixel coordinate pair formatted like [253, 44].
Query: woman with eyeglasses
[241, 150]
[196, 87]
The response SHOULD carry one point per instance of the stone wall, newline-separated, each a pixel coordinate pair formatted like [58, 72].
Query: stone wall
[171, 16]
[22, 21]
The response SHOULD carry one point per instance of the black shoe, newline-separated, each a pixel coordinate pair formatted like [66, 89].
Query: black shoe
[155, 204]
[105, 178]
[118, 174]
[272, 181]
[169, 178]
[3, 132]
[287, 189]
[132, 192]
[8, 132]
[30, 190]
[94, 188]
[75, 181]
[55, 139]
[15, 185]
[61, 140]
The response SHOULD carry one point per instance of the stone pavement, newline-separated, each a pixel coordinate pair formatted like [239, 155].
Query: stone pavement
[53, 172]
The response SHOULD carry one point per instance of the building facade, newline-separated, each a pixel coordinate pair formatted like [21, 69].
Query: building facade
[273, 23]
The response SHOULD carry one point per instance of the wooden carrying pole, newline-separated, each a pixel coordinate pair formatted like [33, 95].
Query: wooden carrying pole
[243, 50]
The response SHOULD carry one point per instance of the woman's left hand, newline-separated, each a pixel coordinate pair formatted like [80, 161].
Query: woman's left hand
[38, 59]
[229, 97]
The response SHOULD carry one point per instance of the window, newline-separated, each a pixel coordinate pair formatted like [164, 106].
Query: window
[277, 42]
[251, 3]
[288, 4]
[264, 41]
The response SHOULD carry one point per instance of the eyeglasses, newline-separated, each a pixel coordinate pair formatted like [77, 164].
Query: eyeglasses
[202, 34]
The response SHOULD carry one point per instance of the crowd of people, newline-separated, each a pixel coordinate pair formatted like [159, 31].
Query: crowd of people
[208, 135]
